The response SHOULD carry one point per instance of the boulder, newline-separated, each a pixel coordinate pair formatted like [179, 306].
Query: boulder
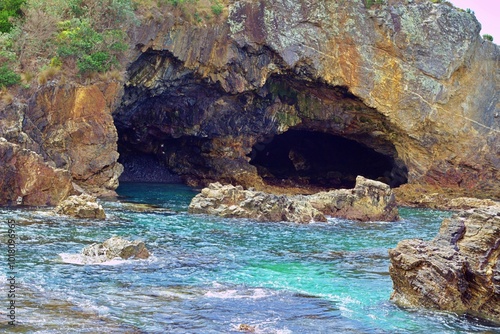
[115, 247]
[81, 206]
[369, 200]
[235, 202]
[457, 271]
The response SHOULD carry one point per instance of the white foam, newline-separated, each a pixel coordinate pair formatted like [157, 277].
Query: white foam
[80, 259]
[239, 294]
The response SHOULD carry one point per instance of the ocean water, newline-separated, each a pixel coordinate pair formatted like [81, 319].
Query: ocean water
[210, 275]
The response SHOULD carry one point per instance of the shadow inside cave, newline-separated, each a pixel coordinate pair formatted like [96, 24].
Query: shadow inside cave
[323, 160]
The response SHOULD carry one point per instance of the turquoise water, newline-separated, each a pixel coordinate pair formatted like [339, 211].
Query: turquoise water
[209, 275]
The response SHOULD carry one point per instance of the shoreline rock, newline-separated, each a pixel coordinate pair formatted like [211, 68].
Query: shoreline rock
[115, 247]
[368, 200]
[422, 196]
[457, 271]
[81, 206]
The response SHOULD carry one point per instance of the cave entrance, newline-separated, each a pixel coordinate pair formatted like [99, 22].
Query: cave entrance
[307, 158]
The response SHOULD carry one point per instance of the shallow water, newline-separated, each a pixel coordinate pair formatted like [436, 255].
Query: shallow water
[209, 275]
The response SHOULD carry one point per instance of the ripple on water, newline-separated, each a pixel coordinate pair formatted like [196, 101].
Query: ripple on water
[210, 275]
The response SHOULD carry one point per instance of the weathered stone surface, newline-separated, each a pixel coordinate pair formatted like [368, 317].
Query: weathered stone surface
[25, 178]
[369, 200]
[411, 79]
[235, 202]
[81, 206]
[69, 128]
[457, 271]
[432, 197]
[115, 247]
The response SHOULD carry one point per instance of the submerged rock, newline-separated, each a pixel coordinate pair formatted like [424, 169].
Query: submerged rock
[457, 271]
[81, 206]
[369, 200]
[115, 247]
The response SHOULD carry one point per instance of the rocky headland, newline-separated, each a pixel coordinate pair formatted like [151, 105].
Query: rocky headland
[274, 95]
[457, 271]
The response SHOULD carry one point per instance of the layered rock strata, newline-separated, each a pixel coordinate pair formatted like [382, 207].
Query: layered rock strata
[70, 130]
[369, 200]
[411, 80]
[457, 271]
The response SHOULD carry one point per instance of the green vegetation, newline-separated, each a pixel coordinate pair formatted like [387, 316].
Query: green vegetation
[93, 51]
[8, 77]
[9, 9]
[42, 40]
[217, 8]
[63, 37]
[488, 37]
[370, 3]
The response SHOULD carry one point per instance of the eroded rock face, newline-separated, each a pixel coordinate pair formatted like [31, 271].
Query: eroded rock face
[81, 206]
[115, 247]
[412, 80]
[369, 200]
[26, 179]
[67, 128]
[457, 271]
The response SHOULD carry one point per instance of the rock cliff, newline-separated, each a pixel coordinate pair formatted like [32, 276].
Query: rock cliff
[282, 94]
[409, 87]
[70, 130]
[457, 271]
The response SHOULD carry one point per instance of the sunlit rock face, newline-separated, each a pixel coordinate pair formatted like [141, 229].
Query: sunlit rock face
[406, 93]
[64, 141]
[408, 87]
[457, 271]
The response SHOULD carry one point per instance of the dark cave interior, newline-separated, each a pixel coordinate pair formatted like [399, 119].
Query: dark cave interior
[322, 160]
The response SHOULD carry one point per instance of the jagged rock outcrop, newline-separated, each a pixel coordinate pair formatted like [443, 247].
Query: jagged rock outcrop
[26, 179]
[114, 247]
[69, 128]
[457, 271]
[81, 206]
[369, 200]
[411, 79]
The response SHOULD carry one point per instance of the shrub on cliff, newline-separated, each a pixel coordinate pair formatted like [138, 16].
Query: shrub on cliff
[8, 77]
[93, 51]
[488, 37]
[9, 9]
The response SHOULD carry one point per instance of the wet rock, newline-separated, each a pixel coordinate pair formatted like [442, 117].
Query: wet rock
[235, 202]
[115, 247]
[457, 271]
[81, 206]
[369, 200]
[246, 328]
